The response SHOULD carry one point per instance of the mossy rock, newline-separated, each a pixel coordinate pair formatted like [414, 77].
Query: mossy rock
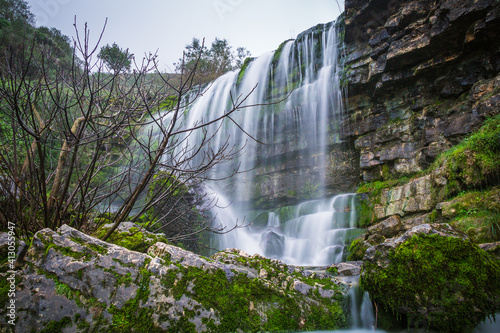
[475, 162]
[131, 236]
[445, 282]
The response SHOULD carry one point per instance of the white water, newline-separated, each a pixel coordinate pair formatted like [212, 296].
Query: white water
[312, 233]
[305, 71]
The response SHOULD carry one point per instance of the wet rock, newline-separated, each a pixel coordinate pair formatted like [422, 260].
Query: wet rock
[273, 244]
[425, 59]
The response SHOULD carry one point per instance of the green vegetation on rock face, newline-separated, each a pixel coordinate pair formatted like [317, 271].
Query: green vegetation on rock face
[475, 213]
[445, 282]
[357, 250]
[475, 162]
[245, 303]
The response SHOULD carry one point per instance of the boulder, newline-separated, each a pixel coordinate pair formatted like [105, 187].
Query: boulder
[74, 282]
[387, 228]
[433, 275]
[349, 268]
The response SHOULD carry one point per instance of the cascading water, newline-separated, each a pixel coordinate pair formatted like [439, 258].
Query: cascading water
[295, 108]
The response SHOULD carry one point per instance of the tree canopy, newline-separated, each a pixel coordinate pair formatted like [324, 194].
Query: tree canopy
[210, 63]
[115, 58]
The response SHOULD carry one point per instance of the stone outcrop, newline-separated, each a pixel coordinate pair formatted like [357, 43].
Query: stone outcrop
[421, 74]
[78, 283]
[432, 276]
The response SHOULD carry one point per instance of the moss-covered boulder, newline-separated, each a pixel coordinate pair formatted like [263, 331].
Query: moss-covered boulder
[77, 283]
[433, 276]
[131, 236]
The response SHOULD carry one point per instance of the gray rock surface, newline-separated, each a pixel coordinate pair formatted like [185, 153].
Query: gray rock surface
[80, 283]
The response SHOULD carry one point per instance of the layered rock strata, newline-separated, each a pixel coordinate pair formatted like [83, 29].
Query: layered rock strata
[421, 75]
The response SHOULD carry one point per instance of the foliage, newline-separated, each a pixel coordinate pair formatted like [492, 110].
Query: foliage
[455, 280]
[15, 11]
[115, 58]
[133, 239]
[210, 63]
[357, 250]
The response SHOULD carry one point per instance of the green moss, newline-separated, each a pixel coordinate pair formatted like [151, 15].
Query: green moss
[56, 326]
[131, 317]
[375, 188]
[234, 299]
[243, 69]
[287, 213]
[66, 251]
[4, 289]
[332, 270]
[475, 213]
[169, 103]
[134, 239]
[277, 54]
[63, 289]
[365, 212]
[357, 250]
[458, 283]
[476, 160]
[386, 173]
[97, 248]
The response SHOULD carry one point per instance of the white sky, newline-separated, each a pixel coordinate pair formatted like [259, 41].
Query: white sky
[169, 25]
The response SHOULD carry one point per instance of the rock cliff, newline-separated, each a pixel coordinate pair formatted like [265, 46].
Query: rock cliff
[423, 113]
[421, 75]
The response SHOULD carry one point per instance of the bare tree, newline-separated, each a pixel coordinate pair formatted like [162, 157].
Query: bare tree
[84, 141]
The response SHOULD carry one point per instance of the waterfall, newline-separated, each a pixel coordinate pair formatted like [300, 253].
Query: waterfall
[294, 109]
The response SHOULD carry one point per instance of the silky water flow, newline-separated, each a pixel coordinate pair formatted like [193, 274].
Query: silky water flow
[295, 109]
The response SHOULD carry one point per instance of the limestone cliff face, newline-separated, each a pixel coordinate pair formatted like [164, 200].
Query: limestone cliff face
[421, 75]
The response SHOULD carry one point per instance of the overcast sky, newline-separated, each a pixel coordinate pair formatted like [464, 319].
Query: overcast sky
[169, 25]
